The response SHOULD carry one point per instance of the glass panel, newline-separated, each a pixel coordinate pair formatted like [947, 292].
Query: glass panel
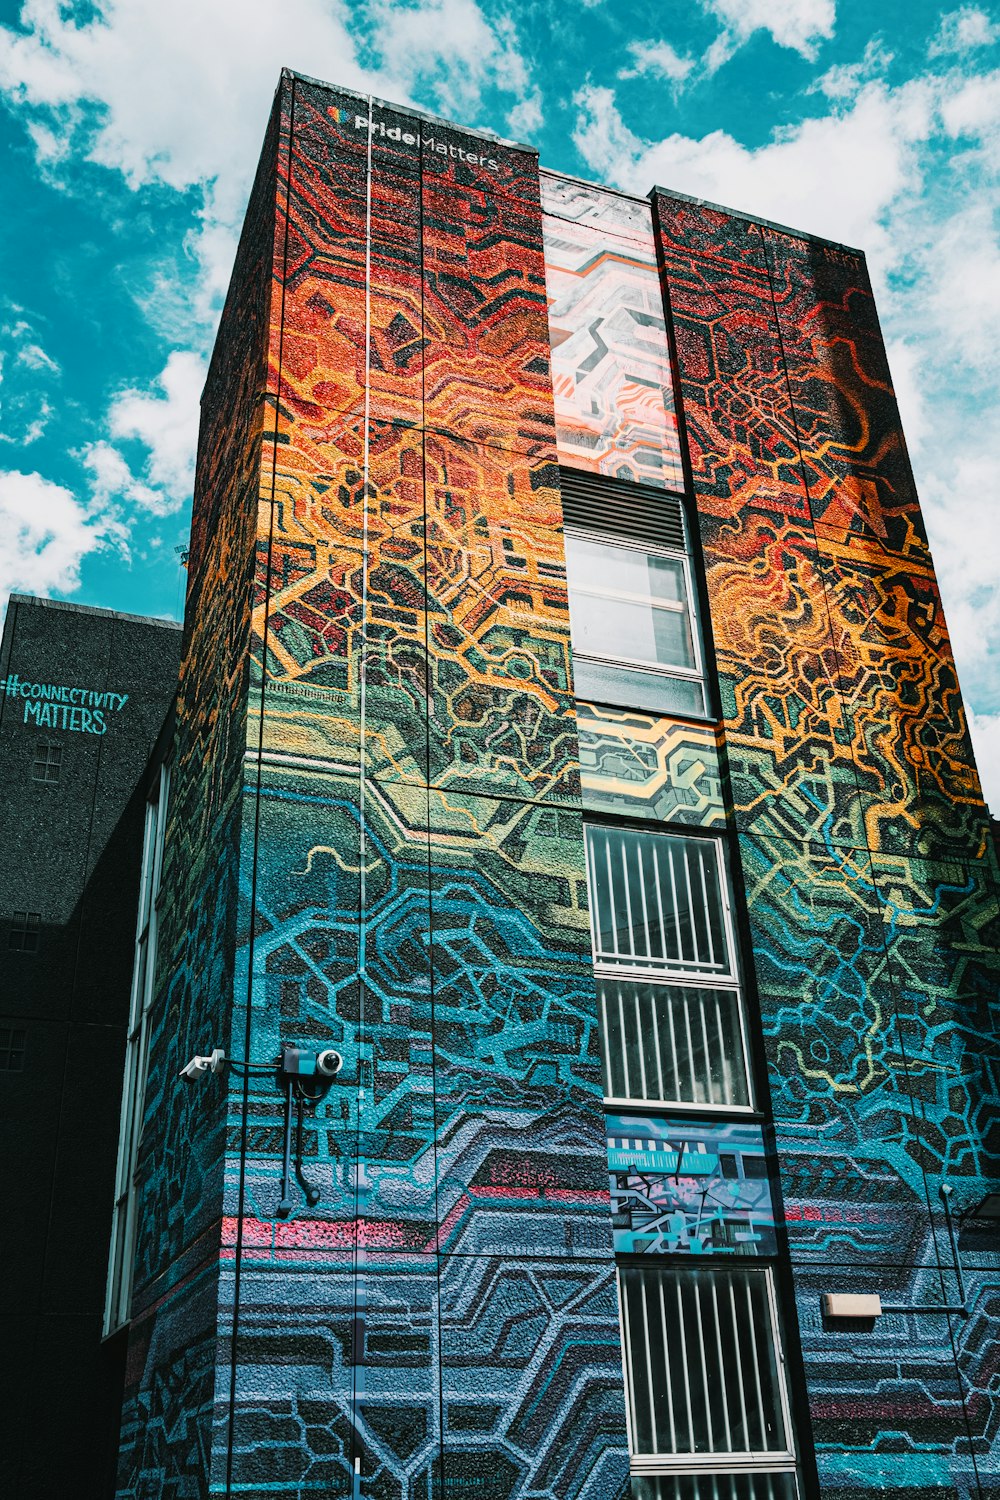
[714, 1487]
[605, 568]
[703, 1373]
[655, 901]
[137, 1061]
[630, 631]
[665, 1043]
[628, 604]
[634, 688]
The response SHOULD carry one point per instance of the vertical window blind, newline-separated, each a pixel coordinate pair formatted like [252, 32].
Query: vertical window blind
[703, 1373]
[668, 1044]
[656, 902]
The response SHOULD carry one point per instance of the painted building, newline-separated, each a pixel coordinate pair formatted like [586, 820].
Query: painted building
[83, 698]
[567, 736]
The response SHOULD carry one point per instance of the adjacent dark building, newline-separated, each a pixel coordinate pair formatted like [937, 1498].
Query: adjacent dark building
[84, 696]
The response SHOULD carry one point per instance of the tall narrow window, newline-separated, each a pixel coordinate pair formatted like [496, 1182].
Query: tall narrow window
[12, 1040]
[668, 991]
[47, 763]
[631, 596]
[704, 1375]
[25, 931]
[119, 1290]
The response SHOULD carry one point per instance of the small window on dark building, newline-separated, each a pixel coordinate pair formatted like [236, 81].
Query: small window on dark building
[47, 764]
[24, 931]
[11, 1049]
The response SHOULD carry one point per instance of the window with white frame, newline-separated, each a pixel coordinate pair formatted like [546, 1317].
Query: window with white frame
[632, 605]
[705, 1382]
[664, 954]
[119, 1289]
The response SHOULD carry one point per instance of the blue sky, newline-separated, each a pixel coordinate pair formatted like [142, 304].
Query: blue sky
[130, 134]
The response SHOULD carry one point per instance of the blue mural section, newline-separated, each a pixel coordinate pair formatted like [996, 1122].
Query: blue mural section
[683, 1187]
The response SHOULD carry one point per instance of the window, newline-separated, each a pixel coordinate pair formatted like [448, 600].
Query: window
[668, 991]
[47, 764]
[12, 1039]
[703, 1373]
[715, 1486]
[119, 1289]
[631, 596]
[25, 931]
[656, 902]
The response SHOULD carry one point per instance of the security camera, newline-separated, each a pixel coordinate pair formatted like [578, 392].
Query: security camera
[199, 1066]
[329, 1062]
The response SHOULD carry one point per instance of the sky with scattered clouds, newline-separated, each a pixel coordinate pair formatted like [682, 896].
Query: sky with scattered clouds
[129, 137]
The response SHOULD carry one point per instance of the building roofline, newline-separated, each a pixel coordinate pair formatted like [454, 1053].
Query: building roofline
[413, 114]
[499, 140]
[94, 609]
[748, 218]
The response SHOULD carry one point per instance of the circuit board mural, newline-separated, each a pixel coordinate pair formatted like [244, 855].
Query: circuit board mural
[376, 844]
[644, 766]
[407, 849]
[869, 874]
[610, 360]
[680, 1187]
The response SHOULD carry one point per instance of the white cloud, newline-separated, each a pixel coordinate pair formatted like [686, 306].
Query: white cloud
[986, 739]
[26, 370]
[657, 60]
[163, 422]
[526, 117]
[964, 30]
[844, 80]
[798, 24]
[45, 533]
[35, 357]
[821, 175]
[176, 94]
[449, 45]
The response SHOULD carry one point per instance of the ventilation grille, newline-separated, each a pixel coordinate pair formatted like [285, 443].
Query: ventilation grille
[637, 511]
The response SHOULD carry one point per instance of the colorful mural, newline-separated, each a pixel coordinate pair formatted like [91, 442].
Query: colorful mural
[376, 844]
[689, 1187]
[405, 828]
[869, 875]
[610, 360]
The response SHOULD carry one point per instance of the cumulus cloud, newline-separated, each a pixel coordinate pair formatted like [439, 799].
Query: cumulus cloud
[964, 30]
[798, 24]
[527, 116]
[45, 533]
[450, 47]
[658, 60]
[165, 422]
[161, 426]
[821, 175]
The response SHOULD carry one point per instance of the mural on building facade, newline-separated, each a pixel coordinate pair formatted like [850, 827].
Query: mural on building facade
[376, 843]
[411, 866]
[869, 877]
[684, 1187]
[610, 361]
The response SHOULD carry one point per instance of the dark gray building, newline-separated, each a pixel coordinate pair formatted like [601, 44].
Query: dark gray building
[86, 698]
